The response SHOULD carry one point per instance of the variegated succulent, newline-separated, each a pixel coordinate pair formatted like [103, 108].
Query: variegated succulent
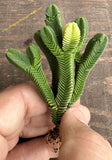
[62, 48]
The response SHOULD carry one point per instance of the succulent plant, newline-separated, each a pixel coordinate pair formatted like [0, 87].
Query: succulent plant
[70, 68]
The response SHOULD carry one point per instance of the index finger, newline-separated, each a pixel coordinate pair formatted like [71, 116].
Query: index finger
[16, 103]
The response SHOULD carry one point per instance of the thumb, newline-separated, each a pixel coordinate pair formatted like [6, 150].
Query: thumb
[72, 120]
[78, 140]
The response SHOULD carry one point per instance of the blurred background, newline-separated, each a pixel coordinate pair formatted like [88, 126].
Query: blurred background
[97, 95]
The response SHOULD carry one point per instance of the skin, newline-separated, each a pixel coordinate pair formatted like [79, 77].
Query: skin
[24, 114]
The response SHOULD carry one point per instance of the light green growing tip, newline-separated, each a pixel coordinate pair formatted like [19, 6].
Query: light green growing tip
[71, 36]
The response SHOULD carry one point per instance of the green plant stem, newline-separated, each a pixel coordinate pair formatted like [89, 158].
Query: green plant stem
[66, 83]
[93, 52]
[51, 60]
[31, 65]
[38, 77]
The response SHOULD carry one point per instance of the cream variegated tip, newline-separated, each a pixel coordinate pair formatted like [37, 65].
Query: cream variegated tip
[71, 36]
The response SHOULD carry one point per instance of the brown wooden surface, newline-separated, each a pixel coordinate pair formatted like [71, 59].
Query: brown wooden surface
[97, 95]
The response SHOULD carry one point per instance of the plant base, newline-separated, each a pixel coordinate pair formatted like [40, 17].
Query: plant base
[53, 139]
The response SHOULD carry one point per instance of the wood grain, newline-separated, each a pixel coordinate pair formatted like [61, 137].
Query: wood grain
[97, 95]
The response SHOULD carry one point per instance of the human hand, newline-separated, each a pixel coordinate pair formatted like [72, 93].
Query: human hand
[24, 114]
[79, 141]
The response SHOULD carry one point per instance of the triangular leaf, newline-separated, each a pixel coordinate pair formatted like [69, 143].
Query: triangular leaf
[49, 38]
[33, 54]
[18, 58]
[83, 25]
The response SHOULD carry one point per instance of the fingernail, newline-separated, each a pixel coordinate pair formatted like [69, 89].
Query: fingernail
[79, 113]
